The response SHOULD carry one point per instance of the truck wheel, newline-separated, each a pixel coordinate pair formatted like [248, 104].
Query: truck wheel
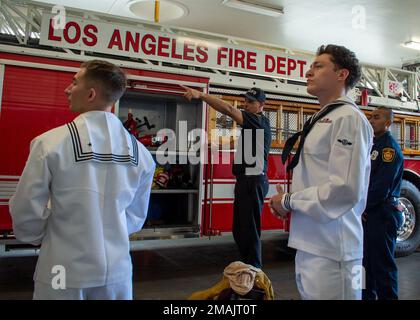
[408, 236]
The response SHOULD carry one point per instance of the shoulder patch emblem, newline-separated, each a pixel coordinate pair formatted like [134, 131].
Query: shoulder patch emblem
[388, 154]
[374, 155]
[345, 142]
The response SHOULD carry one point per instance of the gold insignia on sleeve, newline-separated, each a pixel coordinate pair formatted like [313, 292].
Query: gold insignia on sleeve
[388, 154]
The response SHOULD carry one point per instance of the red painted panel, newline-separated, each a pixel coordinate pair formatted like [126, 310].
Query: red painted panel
[5, 219]
[222, 165]
[223, 170]
[42, 60]
[413, 165]
[269, 221]
[33, 102]
[156, 87]
[275, 169]
[163, 75]
[222, 215]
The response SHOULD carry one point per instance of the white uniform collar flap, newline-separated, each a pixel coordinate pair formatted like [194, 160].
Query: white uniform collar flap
[100, 136]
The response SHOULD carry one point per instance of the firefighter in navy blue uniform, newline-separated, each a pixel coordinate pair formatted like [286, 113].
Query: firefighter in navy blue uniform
[251, 180]
[382, 217]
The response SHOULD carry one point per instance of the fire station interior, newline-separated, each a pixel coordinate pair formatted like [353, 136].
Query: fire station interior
[223, 48]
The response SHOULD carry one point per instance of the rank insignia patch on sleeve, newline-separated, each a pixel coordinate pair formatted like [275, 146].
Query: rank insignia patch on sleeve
[388, 154]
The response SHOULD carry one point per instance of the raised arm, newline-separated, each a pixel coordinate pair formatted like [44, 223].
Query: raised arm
[215, 103]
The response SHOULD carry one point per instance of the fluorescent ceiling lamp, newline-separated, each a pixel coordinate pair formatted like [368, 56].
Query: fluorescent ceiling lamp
[254, 8]
[412, 45]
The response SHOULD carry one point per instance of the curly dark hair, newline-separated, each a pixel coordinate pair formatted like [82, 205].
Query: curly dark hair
[343, 58]
[111, 78]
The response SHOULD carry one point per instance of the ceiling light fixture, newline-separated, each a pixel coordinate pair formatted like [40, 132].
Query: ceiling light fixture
[254, 7]
[168, 9]
[412, 45]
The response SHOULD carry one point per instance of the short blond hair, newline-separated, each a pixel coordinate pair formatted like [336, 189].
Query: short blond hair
[111, 78]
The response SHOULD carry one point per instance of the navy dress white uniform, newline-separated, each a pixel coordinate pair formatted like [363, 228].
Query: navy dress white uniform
[251, 185]
[383, 218]
[329, 191]
[85, 188]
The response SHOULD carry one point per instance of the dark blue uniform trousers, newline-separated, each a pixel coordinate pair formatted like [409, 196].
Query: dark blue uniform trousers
[380, 234]
[250, 192]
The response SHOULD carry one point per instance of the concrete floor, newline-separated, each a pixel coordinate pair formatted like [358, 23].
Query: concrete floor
[173, 269]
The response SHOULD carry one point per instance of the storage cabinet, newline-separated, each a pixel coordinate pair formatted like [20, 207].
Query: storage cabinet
[175, 202]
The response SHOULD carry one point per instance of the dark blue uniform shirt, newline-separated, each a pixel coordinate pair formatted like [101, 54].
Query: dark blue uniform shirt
[253, 121]
[386, 172]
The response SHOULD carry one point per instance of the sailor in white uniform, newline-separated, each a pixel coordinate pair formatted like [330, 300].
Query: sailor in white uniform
[330, 183]
[85, 188]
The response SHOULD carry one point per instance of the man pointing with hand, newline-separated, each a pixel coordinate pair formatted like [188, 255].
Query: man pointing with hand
[251, 180]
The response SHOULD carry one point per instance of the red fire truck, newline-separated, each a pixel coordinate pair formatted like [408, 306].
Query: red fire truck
[188, 199]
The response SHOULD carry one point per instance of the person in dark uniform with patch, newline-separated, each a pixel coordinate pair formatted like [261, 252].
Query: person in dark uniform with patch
[249, 168]
[382, 217]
